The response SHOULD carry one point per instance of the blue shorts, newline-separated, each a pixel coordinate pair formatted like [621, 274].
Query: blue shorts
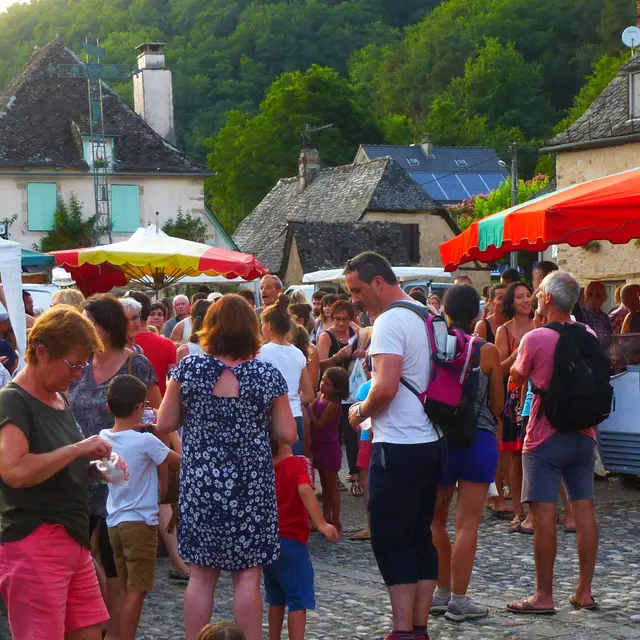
[289, 580]
[477, 463]
[298, 447]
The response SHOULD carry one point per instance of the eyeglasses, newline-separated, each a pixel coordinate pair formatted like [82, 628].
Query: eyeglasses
[135, 318]
[76, 367]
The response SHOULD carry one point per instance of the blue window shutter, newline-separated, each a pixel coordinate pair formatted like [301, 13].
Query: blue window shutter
[41, 205]
[125, 208]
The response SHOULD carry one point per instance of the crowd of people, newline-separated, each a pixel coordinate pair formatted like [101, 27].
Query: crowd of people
[248, 403]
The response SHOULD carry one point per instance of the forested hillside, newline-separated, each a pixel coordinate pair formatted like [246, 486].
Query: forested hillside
[466, 71]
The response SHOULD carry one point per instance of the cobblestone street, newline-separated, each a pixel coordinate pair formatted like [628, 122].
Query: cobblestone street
[352, 603]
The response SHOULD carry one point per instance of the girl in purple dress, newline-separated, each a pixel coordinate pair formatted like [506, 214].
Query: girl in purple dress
[325, 445]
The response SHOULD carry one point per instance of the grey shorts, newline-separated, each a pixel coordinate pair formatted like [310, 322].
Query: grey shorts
[566, 457]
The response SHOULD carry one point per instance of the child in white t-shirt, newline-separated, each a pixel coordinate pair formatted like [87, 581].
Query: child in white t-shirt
[132, 509]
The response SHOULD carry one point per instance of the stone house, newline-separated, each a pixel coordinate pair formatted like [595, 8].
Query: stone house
[46, 150]
[324, 216]
[605, 140]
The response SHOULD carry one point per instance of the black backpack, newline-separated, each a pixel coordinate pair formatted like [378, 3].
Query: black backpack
[579, 394]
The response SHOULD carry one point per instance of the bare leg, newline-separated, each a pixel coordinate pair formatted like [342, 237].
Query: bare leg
[198, 599]
[440, 535]
[516, 483]
[327, 495]
[544, 550]
[247, 602]
[87, 633]
[335, 509]
[587, 537]
[170, 540]
[114, 601]
[131, 614]
[471, 496]
[569, 520]
[403, 600]
[422, 604]
[297, 622]
[276, 620]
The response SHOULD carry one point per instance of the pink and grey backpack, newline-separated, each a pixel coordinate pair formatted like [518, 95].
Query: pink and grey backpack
[450, 396]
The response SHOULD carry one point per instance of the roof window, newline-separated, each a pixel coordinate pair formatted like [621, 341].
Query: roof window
[413, 162]
[460, 162]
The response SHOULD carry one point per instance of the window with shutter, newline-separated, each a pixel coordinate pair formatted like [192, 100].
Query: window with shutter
[41, 205]
[411, 236]
[125, 208]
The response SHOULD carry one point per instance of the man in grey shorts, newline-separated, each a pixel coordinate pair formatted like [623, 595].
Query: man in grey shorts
[550, 457]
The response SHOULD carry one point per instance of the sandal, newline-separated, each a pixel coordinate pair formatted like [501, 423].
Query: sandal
[365, 534]
[356, 489]
[504, 513]
[586, 607]
[514, 525]
[341, 486]
[526, 606]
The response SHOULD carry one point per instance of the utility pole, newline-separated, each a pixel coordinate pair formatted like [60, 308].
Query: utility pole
[513, 256]
[94, 71]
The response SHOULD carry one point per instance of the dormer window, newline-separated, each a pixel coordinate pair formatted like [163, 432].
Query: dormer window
[634, 95]
[103, 158]
[414, 162]
[461, 163]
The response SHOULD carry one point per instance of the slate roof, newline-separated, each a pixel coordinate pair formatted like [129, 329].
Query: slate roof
[440, 175]
[329, 246]
[607, 119]
[42, 119]
[341, 194]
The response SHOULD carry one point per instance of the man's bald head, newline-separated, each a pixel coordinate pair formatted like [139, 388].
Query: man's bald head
[631, 297]
[595, 295]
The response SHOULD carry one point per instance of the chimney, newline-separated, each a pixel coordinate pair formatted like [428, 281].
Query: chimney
[308, 164]
[427, 142]
[153, 90]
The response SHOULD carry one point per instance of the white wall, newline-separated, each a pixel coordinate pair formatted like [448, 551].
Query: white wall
[157, 193]
[153, 100]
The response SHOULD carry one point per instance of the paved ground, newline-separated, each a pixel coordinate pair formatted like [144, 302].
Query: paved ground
[352, 604]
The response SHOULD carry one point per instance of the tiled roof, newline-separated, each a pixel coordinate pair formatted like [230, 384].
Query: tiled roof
[607, 119]
[42, 117]
[341, 194]
[329, 246]
[448, 174]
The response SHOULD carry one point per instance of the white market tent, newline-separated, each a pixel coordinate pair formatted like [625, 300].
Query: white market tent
[11, 272]
[402, 273]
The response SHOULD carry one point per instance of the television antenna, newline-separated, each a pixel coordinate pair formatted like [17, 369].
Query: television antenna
[94, 71]
[307, 130]
[631, 38]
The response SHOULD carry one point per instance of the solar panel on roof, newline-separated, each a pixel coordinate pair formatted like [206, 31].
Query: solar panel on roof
[493, 180]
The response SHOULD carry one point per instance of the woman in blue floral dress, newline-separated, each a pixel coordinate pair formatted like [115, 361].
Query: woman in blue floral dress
[226, 401]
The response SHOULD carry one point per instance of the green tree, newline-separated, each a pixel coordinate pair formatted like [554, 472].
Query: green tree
[187, 227]
[616, 16]
[70, 230]
[604, 71]
[250, 154]
[499, 97]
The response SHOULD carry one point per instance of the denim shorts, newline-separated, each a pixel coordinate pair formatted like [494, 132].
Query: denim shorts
[403, 486]
[289, 580]
[566, 457]
[298, 447]
[477, 463]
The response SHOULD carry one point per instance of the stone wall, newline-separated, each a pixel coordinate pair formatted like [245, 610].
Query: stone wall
[613, 263]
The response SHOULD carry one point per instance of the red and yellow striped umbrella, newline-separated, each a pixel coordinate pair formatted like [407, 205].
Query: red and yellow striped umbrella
[155, 261]
[602, 209]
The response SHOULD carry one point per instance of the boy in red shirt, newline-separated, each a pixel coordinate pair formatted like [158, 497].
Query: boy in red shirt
[288, 582]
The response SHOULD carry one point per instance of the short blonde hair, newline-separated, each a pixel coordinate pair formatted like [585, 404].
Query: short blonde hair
[60, 329]
[71, 297]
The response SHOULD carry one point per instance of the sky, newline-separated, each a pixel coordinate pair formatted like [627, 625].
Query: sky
[5, 3]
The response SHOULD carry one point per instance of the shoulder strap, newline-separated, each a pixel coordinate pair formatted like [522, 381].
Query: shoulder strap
[130, 364]
[419, 310]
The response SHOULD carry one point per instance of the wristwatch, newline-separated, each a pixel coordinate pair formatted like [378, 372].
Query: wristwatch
[359, 411]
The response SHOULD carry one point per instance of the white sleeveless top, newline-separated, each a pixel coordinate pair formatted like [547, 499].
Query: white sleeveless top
[186, 332]
[194, 349]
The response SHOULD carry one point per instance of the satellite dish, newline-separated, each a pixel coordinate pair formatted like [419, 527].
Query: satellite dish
[631, 37]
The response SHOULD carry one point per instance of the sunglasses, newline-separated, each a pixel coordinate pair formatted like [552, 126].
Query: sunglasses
[76, 367]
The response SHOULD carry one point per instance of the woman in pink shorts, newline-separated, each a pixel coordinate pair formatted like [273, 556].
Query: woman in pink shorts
[47, 576]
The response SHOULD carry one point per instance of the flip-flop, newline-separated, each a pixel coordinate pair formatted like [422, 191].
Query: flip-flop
[361, 535]
[505, 514]
[586, 607]
[569, 529]
[527, 608]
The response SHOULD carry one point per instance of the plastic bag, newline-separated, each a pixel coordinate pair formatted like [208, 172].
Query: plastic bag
[356, 379]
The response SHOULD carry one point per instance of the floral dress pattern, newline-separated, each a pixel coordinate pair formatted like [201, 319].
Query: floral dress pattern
[228, 513]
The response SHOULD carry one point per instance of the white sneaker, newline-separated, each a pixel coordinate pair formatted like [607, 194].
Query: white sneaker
[470, 611]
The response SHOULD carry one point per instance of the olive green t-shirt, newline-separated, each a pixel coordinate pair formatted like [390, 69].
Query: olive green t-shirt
[62, 499]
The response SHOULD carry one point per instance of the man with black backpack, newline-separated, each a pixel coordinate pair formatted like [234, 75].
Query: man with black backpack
[407, 453]
[572, 394]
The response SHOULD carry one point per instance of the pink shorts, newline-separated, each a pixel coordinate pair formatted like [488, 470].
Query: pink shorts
[364, 454]
[49, 583]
